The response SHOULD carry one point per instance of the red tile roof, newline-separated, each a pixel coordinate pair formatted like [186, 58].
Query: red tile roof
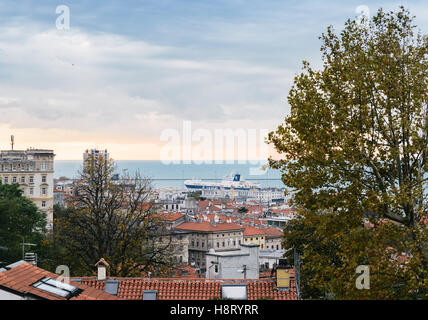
[273, 233]
[214, 208]
[206, 226]
[251, 231]
[21, 277]
[169, 216]
[194, 289]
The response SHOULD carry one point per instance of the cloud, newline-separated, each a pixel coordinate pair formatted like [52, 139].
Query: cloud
[110, 83]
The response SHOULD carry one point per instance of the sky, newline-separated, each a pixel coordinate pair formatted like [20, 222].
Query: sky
[127, 73]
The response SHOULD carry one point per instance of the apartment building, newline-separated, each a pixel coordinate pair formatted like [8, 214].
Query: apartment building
[255, 236]
[95, 154]
[205, 235]
[274, 239]
[33, 170]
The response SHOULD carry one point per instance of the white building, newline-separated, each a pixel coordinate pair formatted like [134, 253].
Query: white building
[237, 264]
[33, 170]
[269, 258]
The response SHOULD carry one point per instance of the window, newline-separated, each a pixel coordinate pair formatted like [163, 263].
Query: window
[203, 244]
[31, 179]
[44, 191]
[43, 166]
[6, 179]
[43, 178]
[14, 179]
[30, 167]
[58, 288]
[216, 268]
[234, 242]
[31, 190]
[22, 179]
[43, 203]
[193, 243]
[223, 244]
[218, 244]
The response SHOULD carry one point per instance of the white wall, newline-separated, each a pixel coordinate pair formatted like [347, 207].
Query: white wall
[5, 295]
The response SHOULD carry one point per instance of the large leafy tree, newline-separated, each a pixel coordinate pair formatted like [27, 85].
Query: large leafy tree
[20, 220]
[354, 151]
[111, 219]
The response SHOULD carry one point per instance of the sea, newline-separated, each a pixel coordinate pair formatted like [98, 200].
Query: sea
[174, 174]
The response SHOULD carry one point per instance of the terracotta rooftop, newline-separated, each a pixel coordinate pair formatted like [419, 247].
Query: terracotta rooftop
[251, 231]
[194, 289]
[20, 278]
[170, 216]
[273, 233]
[206, 226]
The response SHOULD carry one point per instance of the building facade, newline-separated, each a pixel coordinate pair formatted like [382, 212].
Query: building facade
[95, 154]
[33, 170]
[237, 264]
[255, 236]
[204, 236]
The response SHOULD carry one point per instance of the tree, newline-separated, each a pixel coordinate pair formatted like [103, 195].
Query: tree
[242, 210]
[19, 220]
[354, 151]
[111, 219]
[197, 195]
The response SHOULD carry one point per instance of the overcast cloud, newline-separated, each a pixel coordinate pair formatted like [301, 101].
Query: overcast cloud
[124, 72]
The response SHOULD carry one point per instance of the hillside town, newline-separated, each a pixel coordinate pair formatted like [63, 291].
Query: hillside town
[206, 153]
[217, 241]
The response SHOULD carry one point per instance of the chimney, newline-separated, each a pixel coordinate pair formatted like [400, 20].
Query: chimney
[31, 258]
[102, 266]
[283, 275]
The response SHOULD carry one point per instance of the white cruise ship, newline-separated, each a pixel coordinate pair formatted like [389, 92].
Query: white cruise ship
[233, 181]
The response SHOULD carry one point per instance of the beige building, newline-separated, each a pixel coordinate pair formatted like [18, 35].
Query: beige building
[33, 170]
[274, 239]
[205, 235]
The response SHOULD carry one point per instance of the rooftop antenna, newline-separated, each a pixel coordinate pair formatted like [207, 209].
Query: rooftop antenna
[12, 141]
